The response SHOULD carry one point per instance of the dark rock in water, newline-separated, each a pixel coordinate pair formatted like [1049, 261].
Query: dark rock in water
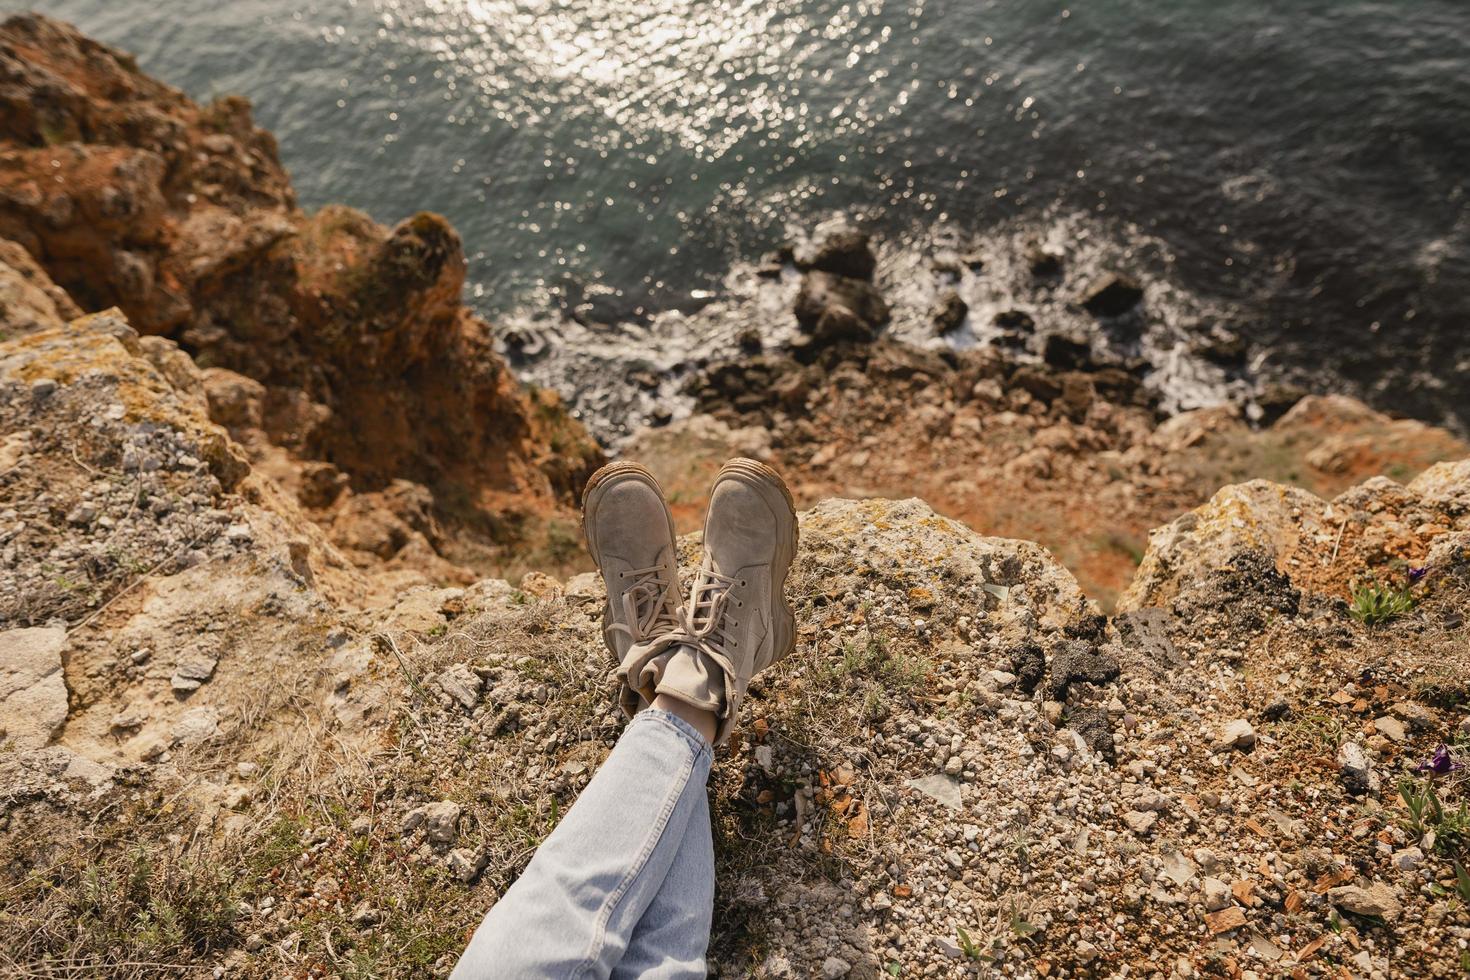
[749, 341]
[832, 308]
[1122, 387]
[1276, 398]
[946, 265]
[1221, 345]
[749, 384]
[1044, 264]
[1062, 351]
[1113, 296]
[1092, 725]
[1078, 660]
[973, 261]
[660, 417]
[1015, 321]
[1028, 663]
[1016, 329]
[646, 380]
[949, 312]
[791, 389]
[843, 253]
[1078, 394]
[1038, 382]
[769, 268]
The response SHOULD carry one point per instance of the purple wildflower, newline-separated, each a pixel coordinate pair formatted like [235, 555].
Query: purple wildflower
[1441, 763]
[1415, 574]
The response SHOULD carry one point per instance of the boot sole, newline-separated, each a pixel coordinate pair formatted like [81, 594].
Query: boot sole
[765, 479]
[597, 485]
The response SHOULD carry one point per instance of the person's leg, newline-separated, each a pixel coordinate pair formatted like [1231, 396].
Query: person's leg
[574, 910]
[670, 941]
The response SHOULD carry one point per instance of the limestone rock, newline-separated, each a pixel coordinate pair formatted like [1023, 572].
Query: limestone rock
[192, 673]
[33, 697]
[835, 967]
[942, 789]
[1140, 821]
[466, 865]
[1391, 728]
[1238, 735]
[196, 725]
[29, 300]
[1357, 772]
[462, 684]
[1376, 900]
[1215, 894]
[441, 821]
[131, 195]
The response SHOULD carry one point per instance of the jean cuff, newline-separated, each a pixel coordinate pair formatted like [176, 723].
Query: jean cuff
[685, 730]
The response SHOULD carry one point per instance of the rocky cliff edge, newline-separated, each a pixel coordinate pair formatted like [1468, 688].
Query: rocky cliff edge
[214, 760]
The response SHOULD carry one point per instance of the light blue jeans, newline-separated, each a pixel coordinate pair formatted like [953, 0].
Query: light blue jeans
[625, 885]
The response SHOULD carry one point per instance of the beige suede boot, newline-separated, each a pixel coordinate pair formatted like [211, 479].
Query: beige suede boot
[630, 534]
[737, 614]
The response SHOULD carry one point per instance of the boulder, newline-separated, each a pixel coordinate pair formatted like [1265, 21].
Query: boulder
[33, 698]
[843, 252]
[29, 300]
[1044, 263]
[832, 308]
[949, 312]
[1112, 296]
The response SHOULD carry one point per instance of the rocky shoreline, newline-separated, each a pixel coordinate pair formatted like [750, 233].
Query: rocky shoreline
[1126, 693]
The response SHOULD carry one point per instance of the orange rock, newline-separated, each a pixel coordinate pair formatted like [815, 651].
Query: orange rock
[1310, 949]
[183, 217]
[1243, 891]
[1225, 920]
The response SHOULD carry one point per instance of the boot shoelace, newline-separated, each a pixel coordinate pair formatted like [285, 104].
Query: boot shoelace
[708, 619]
[645, 605]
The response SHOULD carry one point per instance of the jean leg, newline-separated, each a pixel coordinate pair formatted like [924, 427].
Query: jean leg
[573, 911]
[670, 941]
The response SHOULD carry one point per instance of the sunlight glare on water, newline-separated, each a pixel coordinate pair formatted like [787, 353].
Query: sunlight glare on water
[1302, 164]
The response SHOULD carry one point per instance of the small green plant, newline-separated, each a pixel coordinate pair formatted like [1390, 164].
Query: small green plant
[1021, 845]
[1022, 928]
[1449, 829]
[1462, 883]
[1423, 805]
[1374, 603]
[970, 948]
